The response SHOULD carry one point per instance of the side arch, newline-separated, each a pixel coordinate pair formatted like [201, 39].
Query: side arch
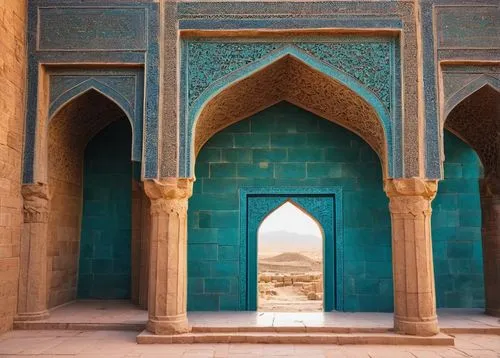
[475, 121]
[470, 88]
[282, 75]
[92, 84]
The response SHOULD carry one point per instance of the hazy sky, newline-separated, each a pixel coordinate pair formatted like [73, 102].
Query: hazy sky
[289, 218]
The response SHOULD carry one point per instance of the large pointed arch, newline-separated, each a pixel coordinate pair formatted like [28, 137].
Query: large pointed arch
[292, 75]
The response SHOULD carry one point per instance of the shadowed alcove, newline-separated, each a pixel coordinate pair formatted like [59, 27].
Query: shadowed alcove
[94, 244]
[475, 121]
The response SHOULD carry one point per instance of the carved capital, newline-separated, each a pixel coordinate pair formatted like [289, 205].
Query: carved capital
[36, 203]
[411, 196]
[169, 195]
[411, 187]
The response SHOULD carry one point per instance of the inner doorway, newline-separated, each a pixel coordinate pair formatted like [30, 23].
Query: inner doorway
[322, 206]
[290, 261]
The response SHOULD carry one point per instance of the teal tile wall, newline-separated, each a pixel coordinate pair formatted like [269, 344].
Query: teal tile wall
[105, 256]
[456, 229]
[287, 146]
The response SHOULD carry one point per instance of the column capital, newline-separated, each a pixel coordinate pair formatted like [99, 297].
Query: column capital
[168, 195]
[36, 200]
[169, 188]
[425, 188]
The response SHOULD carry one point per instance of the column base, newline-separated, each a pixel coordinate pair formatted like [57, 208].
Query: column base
[32, 316]
[416, 328]
[495, 312]
[168, 325]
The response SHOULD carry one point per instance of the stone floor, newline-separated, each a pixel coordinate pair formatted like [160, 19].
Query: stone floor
[111, 344]
[123, 312]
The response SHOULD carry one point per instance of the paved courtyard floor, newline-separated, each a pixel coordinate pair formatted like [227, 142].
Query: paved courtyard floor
[122, 344]
[123, 313]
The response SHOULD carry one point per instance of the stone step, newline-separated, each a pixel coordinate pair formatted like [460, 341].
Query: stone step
[441, 339]
[289, 329]
[78, 326]
[471, 330]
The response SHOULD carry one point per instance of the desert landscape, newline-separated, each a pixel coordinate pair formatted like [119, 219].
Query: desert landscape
[291, 280]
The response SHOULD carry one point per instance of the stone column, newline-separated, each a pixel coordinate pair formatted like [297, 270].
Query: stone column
[167, 296]
[413, 271]
[32, 301]
[490, 212]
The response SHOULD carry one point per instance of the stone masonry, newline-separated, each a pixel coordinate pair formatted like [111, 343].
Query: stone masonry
[12, 91]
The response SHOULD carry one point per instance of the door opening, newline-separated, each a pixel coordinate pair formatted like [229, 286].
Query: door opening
[290, 245]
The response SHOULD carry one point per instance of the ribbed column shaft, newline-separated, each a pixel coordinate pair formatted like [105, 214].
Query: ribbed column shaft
[167, 299]
[413, 271]
[32, 301]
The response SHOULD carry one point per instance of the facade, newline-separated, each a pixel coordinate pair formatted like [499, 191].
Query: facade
[143, 142]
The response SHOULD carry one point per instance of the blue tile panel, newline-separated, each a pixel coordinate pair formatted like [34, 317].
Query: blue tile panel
[285, 146]
[456, 229]
[105, 257]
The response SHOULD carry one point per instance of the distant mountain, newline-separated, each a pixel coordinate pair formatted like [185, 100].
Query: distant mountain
[284, 241]
[290, 257]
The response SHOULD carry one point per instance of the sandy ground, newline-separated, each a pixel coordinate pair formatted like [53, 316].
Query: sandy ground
[288, 298]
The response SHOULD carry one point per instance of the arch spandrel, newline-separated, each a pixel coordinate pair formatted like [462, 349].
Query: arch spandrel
[292, 80]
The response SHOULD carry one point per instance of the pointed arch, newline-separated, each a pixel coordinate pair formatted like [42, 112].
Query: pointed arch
[313, 220]
[91, 84]
[323, 204]
[475, 121]
[469, 89]
[286, 74]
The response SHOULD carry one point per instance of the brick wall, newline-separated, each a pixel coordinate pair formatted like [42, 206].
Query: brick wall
[12, 90]
[287, 146]
[456, 229]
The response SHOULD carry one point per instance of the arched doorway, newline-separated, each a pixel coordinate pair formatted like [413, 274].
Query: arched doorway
[474, 118]
[280, 148]
[90, 176]
[290, 261]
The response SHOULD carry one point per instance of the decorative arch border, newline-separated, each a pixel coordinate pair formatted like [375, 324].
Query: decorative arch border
[391, 122]
[124, 87]
[473, 86]
[84, 87]
[113, 95]
[334, 192]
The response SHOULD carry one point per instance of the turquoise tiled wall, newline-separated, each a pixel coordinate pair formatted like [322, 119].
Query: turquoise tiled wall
[104, 268]
[287, 146]
[456, 228]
